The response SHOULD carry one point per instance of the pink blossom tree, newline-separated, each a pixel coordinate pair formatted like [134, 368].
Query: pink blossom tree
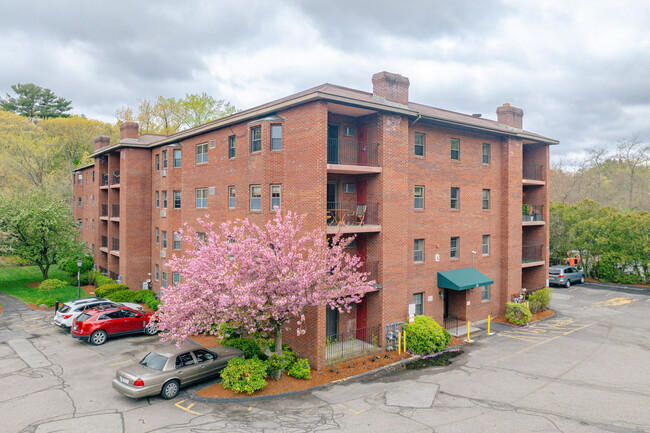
[256, 280]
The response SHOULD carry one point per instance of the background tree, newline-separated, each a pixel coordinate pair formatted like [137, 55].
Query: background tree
[34, 101]
[256, 280]
[203, 108]
[39, 227]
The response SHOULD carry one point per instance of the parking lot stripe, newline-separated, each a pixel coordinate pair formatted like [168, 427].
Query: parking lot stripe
[574, 289]
[187, 409]
[118, 363]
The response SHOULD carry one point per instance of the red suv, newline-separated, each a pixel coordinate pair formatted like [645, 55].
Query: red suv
[97, 324]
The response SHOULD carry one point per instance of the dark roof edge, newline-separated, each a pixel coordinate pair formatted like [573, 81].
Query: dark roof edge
[82, 167]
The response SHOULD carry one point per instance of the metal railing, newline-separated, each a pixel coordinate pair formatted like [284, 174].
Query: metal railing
[352, 152]
[105, 179]
[352, 213]
[116, 177]
[532, 212]
[116, 211]
[373, 270]
[533, 171]
[451, 322]
[115, 244]
[104, 210]
[531, 253]
[104, 241]
[352, 344]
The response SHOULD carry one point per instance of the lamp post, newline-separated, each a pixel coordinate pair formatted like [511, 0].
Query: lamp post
[473, 254]
[79, 263]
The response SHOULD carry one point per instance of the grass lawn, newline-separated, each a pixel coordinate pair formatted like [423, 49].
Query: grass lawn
[13, 281]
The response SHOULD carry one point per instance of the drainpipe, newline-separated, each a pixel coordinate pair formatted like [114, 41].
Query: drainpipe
[416, 119]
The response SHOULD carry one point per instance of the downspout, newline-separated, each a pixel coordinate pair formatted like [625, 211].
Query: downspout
[416, 119]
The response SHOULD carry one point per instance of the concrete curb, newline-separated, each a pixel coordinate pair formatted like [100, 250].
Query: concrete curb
[383, 369]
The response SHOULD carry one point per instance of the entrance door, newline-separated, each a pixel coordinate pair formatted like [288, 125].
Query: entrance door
[362, 322]
[331, 324]
[362, 192]
[332, 144]
[362, 150]
[445, 303]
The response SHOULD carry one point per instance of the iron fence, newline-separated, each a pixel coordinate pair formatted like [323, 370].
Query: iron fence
[105, 179]
[451, 322]
[372, 268]
[116, 244]
[352, 213]
[104, 210]
[116, 211]
[533, 212]
[116, 177]
[533, 171]
[352, 152]
[352, 344]
[531, 253]
[104, 241]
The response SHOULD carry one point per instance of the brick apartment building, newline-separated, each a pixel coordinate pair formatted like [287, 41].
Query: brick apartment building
[450, 210]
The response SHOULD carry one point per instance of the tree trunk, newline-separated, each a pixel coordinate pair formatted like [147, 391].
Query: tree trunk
[44, 270]
[278, 347]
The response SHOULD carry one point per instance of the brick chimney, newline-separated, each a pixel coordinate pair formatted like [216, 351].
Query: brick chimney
[390, 87]
[129, 130]
[509, 115]
[102, 141]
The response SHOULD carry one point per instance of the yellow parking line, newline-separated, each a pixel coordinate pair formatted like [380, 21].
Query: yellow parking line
[121, 362]
[611, 293]
[37, 328]
[34, 318]
[572, 290]
[186, 409]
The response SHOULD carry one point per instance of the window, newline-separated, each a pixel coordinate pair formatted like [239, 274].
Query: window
[231, 146]
[204, 355]
[80, 177]
[79, 202]
[177, 199]
[157, 235]
[93, 223]
[164, 199]
[202, 153]
[485, 245]
[93, 172]
[418, 250]
[486, 153]
[176, 244]
[418, 300]
[256, 197]
[418, 194]
[455, 198]
[201, 237]
[164, 238]
[202, 198]
[419, 144]
[256, 139]
[231, 197]
[164, 159]
[157, 162]
[176, 278]
[455, 149]
[453, 247]
[177, 158]
[276, 194]
[485, 293]
[486, 199]
[156, 272]
[163, 283]
[157, 198]
[276, 137]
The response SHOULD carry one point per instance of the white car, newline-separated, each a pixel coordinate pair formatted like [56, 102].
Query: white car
[65, 315]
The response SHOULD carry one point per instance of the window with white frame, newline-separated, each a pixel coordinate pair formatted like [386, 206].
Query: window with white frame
[80, 177]
[164, 199]
[232, 150]
[232, 199]
[455, 198]
[256, 139]
[201, 198]
[163, 283]
[157, 162]
[164, 159]
[485, 293]
[454, 244]
[164, 238]
[418, 195]
[202, 153]
[157, 235]
[276, 137]
[418, 250]
[276, 196]
[486, 153]
[201, 238]
[177, 199]
[176, 278]
[455, 149]
[420, 145]
[486, 199]
[176, 245]
[79, 202]
[418, 300]
[256, 197]
[157, 198]
[177, 158]
[156, 272]
[485, 246]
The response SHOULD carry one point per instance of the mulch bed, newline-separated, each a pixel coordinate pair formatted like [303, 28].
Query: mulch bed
[535, 317]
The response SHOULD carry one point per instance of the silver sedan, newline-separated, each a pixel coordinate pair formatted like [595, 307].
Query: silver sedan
[165, 371]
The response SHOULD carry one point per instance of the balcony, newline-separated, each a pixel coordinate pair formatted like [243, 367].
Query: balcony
[104, 214]
[115, 214]
[116, 179]
[115, 246]
[532, 215]
[533, 174]
[373, 271]
[104, 244]
[353, 217]
[531, 255]
[354, 343]
[349, 156]
[104, 184]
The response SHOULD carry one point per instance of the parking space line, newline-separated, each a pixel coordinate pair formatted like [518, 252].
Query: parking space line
[611, 294]
[353, 411]
[574, 289]
[187, 409]
[118, 363]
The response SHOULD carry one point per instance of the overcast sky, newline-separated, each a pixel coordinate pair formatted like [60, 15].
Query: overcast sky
[579, 70]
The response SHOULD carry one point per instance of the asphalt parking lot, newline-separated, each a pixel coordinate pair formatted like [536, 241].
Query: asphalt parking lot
[584, 370]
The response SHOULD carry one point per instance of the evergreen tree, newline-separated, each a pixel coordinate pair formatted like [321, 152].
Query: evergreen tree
[35, 101]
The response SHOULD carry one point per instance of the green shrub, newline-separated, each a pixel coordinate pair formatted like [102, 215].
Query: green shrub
[244, 375]
[247, 345]
[539, 300]
[143, 296]
[110, 288]
[51, 284]
[425, 336]
[70, 265]
[13, 261]
[300, 369]
[125, 295]
[517, 313]
[46, 300]
[153, 303]
[100, 280]
[277, 363]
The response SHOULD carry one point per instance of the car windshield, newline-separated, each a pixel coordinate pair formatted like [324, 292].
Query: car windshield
[65, 308]
[82, 317]
[154, 361]
[554, 271]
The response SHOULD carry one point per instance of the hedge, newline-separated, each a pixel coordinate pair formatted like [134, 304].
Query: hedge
[107, 289]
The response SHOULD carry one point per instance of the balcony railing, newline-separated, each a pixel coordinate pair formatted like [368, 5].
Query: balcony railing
[533, 172]
[116, 211]
[352, 213]
[105, 179]
[104, 241]
[532, 212]
[116, 177]
[115, 244]
[372, 268]
[352, 152]
[352, 344]
[531, 253]
[104, 210]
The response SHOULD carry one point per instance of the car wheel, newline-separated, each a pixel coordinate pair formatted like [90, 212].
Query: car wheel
[170, 390]
[567, 284]
[98, 337]
[582, 279]
[151, 329]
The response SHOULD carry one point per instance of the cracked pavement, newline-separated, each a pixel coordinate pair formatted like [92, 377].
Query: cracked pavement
[584, 370]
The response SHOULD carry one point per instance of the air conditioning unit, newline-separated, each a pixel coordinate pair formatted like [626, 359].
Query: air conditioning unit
[348, 188]
[163, 173]
[350, 131]
[163, 213]
[163, 254]
[212, 144]
[211, 190]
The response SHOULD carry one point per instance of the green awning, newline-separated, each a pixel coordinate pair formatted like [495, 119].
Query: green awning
[462, 279]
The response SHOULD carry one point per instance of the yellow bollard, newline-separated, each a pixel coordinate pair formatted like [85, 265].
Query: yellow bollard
[468, 330]
[404, 340]
[488, 324]
[399, 343]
